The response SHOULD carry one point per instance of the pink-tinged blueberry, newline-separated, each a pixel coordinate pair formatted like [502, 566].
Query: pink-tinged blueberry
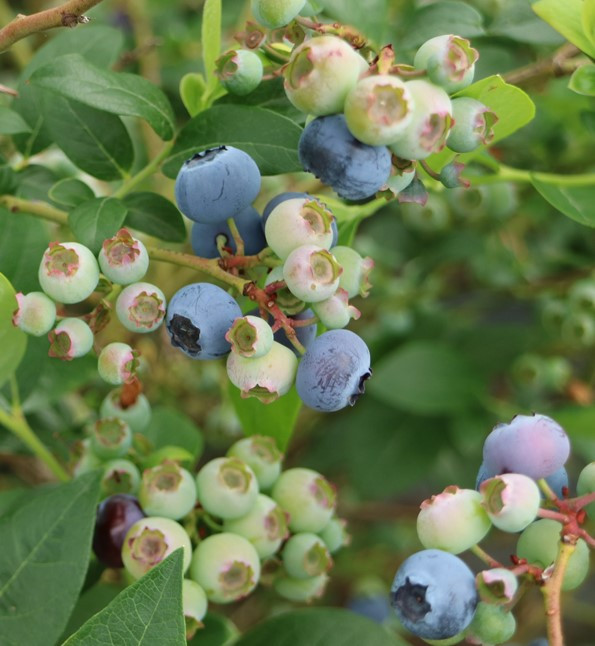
[497, 585]
[355, 277]
[311, 273]
[336, 312]
[117, 363]
[511, 500]
[141, 307]
[449, 60]
[250, 337]
[123, 259]
[36, 313]
[70, 339]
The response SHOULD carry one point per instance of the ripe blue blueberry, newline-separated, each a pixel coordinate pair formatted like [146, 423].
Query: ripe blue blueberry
[216, 184]
[198, 317]
[332, 373]
[434, 595]
[353, 169]
[209, 239]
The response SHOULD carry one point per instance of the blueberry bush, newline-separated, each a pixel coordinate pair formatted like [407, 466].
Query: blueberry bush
[273, 275]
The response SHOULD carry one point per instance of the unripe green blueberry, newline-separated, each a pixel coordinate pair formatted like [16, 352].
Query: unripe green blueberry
[306, 555]
[553, 314]
[117, 363]
[335, 535]
[289, 303]
[449, 641]
[250, 337]
[430, 124]
[276, 13]
[582, 296]
[511, 500]
[150, 540]
[194, 606]
[355, 277]
[473, 125]
[226, 566]
[227, 487]
[400, 180]
[307, 497]
[586, 485]
[539, 545]
[296, 222]
[136, 415]
[311, 273]
[335, 312]
[431, 217]
[261, 454]
[111, 438]
[86, 460]
[240, 71]
[453, 520]
[491, 624]
[70, 339]
[528, 371]
[119, 476]
[141, 307]
[578, 329]
[268, 377]
[167, 490]
[265, 526]
[497, 586]
[378, 109]
[68, 272]
[36, 313]
[301, 590]
[320, 73]
[449, 61]
[123, 259]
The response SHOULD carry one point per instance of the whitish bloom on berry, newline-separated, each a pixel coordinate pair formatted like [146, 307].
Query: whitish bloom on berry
[68, 272]
[123, 259]
[70, 339]
[336, 312]
[117, 363]
[497, 585]
[311, 273]
[511, 500]
[36, 313]
[141, 307]
[450, 61]
[250, 336]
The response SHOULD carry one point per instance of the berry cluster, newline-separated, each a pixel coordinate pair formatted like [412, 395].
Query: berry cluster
[242, 513]
[573, 318]
[215, 189]
[436, 595]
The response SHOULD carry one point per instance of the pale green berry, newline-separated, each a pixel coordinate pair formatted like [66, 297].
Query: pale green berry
[250, 336]
[355, 277]
[306, 555]
[150, 540]
[586, 485]
[311, 273]
[511, 500]
[167, 490]
[497, 585]
[335, 535]
[68, 272]
[86, 459]
[117, 363]
[226, 566]
[36, 313]
[141, 307]
[111, 438]
[194, 606]
[227, 487]
[336, 312]
[265, 526]
[123, 259]
[449, 61]
[136, 415]
[491, 624]
[276, 13]
[301, 590]
[261, 454]
[120, 476]
[473, 125]
[70, 339]
[240, 71]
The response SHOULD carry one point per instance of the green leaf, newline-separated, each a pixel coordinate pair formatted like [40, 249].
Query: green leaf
[516, 20]
[566, 16]
[153, 214]
[441, 18]
[94, 221]
[34, 182]
[12, 340]
[277, 420]
[73, 77]
[11, 122]
[169, 426]
[373, 18]
[269, 138]
[582, 80]
[173, 453]
[149, 612]
[218, 631]
[588, 20]
[71, 192]
[42, 572]
[211, 40]
[10, 499]
[192, 89]
[270, 95]
[320, 626]
[425, 377]
[20, 262]
[91, 601]
[574, 201]
[94, 141]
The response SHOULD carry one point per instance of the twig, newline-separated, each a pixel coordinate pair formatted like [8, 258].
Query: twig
[561, 63]
[551, 595]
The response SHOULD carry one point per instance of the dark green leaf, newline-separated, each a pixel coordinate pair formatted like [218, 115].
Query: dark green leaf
[42, 572]
[373, 18]
[34, 182]
[12, 340]
[71, 192]
[92, 601]
[171, 427]
[11, 499]
[517, 21]
[425, 377]
[149, 612]
[11, 122]
[565, 16]
[218, 631]
[442, 18]
[276, 420]
[20, 262]
[270, 138]
[319, 626]
[574, 201]
[94, 221]
[73, 77]
[153, 214]
[95, 141]
[583, 80]
[269, 95]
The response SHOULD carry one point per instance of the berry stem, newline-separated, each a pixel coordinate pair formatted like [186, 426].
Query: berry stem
[485, 557]
[547, 490]
[145, 172]
[510, 174]
[583, 501]
[552, 595]
[553, 515]
[237, 238]
[39, 209]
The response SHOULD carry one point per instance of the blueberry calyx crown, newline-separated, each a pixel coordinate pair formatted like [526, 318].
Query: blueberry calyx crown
[361, 387]
[184, 334]
[411, 600]
[204, 156]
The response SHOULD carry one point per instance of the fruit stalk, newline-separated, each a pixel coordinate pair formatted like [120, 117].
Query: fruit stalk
[552, 595]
